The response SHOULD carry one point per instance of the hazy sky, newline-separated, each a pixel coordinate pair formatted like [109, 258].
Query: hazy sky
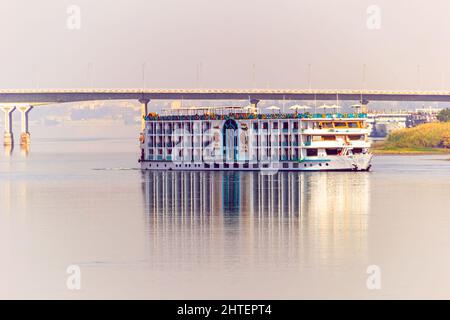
[227, 37]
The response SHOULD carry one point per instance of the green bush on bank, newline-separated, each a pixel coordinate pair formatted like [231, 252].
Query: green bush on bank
[444, 115]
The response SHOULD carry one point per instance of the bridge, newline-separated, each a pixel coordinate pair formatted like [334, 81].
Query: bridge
[26, 99]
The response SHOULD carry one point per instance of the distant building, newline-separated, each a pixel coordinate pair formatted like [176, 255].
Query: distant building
[382, 124]
[423, 115]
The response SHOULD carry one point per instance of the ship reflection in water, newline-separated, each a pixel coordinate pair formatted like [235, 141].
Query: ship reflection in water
[289, 224]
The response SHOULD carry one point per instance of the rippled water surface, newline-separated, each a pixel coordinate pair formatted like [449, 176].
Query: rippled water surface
[218, 235]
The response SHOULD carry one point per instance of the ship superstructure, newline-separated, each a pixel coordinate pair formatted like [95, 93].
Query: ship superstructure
[240, 138]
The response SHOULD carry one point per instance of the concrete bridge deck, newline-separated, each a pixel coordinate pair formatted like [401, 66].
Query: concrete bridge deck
[26, 99]
[73, 95]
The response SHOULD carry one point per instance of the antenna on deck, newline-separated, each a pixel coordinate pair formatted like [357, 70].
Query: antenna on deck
[315, 102]
[199, 74]
[309, 76]
[418, 77]
[35, 82]
[254, 75]
[89, 76]
[144, 65]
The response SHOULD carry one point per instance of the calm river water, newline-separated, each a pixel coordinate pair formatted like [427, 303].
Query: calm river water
[191, 235]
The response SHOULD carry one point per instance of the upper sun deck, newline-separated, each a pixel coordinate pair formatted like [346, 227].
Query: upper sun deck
[245, 113]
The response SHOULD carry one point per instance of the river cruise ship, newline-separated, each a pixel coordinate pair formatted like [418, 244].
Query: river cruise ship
[241, 138]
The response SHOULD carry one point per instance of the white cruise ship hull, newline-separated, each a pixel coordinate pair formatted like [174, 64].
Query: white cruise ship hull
[236, 139]
[359, 162]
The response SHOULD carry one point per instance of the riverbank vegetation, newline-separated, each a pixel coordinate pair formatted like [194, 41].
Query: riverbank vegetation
[423, 139]
[444, 115]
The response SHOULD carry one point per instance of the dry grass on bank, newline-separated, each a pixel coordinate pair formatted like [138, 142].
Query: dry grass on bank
[424, 139]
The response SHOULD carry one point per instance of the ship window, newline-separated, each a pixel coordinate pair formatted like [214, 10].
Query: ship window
[305, 164]
[216, 166]
[285, 165]
[285, 125]
[340, 125]
[226, 165]
[311, 152]
[332, 152]
[236, 165]
[206, 165]
[356, 137]
[255, 125]
[320, 164]
[245, 165]
[295, 165]
[327, 164]
[255, 166]
[357, 150]
[275, 125]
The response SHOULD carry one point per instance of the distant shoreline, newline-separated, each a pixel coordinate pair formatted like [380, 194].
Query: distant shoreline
[425, 139]
[410, 151]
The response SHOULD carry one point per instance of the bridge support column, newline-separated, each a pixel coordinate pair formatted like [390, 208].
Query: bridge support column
[254, 103]
[24, 134]
[8, 136]
[364, 104]
[144, 112]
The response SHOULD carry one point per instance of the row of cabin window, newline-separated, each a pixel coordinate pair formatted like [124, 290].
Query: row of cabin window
[237, 165]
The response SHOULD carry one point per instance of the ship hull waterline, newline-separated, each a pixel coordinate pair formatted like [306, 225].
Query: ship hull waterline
[338, 163]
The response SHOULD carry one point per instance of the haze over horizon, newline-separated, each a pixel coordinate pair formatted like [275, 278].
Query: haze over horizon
[221, 44]
[225, 44]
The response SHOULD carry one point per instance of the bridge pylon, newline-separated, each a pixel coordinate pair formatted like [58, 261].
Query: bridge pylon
[8, 139]
[144, 111]
[254, 103]
[25, 133]
[364, 104]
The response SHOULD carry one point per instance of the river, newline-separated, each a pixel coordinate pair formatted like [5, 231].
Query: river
[188, 235]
